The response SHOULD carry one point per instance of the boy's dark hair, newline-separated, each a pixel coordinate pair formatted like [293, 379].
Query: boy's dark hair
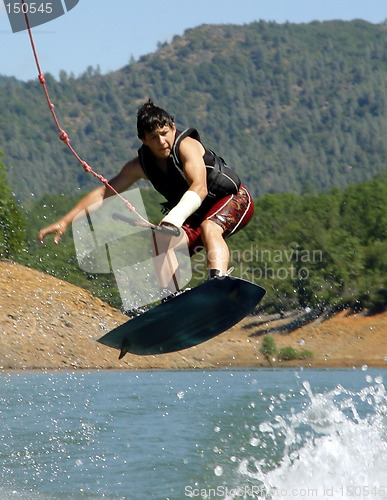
[150, 117]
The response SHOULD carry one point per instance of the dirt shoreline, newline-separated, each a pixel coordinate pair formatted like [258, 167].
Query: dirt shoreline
[49, 324]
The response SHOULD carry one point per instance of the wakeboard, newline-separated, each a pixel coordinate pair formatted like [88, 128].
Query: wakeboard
[188, 319]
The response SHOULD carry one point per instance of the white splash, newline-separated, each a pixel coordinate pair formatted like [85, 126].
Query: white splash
[328, 449]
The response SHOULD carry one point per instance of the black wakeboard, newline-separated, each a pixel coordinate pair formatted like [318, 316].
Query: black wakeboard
[188, 319]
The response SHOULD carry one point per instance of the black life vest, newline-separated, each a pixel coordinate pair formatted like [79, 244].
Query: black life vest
[221, 180]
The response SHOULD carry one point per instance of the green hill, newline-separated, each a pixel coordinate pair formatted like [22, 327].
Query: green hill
[313, 251]
[293, 108]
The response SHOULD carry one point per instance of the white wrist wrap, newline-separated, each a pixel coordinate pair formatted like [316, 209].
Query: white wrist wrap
[189, 203]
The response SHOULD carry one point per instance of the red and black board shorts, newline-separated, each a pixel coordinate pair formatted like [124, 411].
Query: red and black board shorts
[231, 213]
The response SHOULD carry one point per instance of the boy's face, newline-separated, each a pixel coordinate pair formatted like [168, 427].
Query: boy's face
[160, 141]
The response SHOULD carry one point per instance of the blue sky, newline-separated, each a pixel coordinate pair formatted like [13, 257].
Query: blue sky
[106, 33]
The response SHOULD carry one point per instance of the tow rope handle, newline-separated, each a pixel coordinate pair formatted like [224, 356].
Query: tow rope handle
[170, 230]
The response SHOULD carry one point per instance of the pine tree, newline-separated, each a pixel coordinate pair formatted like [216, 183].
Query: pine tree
[12, 223]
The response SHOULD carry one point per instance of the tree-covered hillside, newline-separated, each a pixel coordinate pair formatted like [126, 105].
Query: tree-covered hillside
[319, 251]
[293, 108]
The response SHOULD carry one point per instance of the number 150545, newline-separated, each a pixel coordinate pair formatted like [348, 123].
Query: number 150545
[29, 8]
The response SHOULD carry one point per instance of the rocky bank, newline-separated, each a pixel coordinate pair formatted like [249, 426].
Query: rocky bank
[49, 324]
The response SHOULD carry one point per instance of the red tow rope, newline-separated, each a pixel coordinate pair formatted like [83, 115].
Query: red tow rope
[63, 136]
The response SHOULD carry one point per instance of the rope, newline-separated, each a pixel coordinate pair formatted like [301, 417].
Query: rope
[63, 136]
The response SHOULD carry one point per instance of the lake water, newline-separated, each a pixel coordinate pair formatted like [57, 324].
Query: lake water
[225, 434]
